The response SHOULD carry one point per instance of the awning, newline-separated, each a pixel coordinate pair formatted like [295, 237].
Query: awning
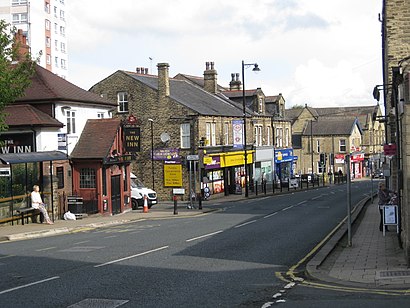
[32, 157]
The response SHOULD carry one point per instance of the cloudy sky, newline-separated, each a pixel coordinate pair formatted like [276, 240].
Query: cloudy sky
[317, 52]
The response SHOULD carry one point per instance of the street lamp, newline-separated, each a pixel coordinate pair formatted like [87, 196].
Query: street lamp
[255, 69]
[152, 153]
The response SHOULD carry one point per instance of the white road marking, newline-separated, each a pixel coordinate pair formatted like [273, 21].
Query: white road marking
[81, 242]
[202, 236]
[270, 215]
[246, 223]
[314, 198]
[44, 249]
[29, 284]
[301, 202]
[133, 256]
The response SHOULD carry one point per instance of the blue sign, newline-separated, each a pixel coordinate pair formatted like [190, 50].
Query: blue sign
[283, 155]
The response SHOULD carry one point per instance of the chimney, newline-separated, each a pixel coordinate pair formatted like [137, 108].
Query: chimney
[146, 71]
[235, 84]
[210, 80]
[138, 70]
[20, 42]
[163, 79]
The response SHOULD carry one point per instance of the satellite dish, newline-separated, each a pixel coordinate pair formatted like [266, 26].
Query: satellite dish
[165, 137]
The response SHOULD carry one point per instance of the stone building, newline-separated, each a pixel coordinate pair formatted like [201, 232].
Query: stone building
[189, 131]
[336, 132]
[395, 88]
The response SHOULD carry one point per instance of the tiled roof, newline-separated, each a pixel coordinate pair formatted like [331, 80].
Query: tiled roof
[239, 93]
[96, 139]
[192, 96]
[199, 81]
[27, 115]
[46, 86]
[331, 126]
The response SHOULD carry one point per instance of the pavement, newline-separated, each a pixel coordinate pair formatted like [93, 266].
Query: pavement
[373, 260]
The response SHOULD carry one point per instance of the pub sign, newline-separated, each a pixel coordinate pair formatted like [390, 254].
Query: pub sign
[132, 138]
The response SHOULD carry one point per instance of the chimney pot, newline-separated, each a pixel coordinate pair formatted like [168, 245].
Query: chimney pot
[138, 70]
[212, 65]
[207, 65]
[233, 76]
[237, 76]
[146, 71]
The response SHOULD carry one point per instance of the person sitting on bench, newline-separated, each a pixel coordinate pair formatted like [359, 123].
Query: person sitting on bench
[37, 203]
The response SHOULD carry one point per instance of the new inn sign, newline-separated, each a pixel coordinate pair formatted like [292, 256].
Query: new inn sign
[132, 138]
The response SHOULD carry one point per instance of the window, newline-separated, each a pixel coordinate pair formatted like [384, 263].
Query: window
[260, 105]
[268, 136]
[286, 137]
[62, 31]
[56, 28]
[210, 134]
[226, 133]
[48, 42]
[48, 25]
[185, 136]
[62, 1]
[62, 47]
[48, 59]
[20, 18]
[258, 135]
[70, 121]
[122, 99]
[18, 2]
[55, 12]
[279, 137]
[60, 177]
[318, 145]
[100, 115]
[87, 178]
[342, 145]
[62, 15]
[56, 61]
[56, 45]
[63, 64]
[47, 7]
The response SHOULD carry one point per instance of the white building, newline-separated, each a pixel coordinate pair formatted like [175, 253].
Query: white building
[44, 25]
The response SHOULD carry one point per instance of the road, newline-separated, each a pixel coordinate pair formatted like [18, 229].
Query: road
[229, 258]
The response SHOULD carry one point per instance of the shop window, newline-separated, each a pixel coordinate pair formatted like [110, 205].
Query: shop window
[87, 178]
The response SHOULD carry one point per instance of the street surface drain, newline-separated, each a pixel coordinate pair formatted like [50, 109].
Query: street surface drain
[98, 303]
[394, 274]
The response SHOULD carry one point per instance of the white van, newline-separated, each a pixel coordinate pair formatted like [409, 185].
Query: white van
[138, 190]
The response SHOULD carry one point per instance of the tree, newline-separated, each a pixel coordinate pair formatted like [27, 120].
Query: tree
[16, 69]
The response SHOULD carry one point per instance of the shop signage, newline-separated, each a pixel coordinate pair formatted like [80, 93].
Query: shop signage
[16, 143]
[214, 162]
[132, 141]
[339, 158]
[170, 154]
[389, 149]
[172, 175]
[284, 155]
[357, 157]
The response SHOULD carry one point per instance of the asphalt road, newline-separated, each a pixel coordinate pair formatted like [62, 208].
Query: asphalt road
[225, 259]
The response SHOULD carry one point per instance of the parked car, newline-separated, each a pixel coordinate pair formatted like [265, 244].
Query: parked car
[377, 174]
[138, 191]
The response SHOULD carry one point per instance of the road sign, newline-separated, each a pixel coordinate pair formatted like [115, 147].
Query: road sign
[192, 157]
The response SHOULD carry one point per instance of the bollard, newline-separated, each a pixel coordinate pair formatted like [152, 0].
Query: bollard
[199, 201]
[175, 205]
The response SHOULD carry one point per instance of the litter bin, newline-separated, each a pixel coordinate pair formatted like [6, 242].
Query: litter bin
[75, 204]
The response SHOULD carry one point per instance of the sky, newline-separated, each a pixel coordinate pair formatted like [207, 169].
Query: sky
[323, 53]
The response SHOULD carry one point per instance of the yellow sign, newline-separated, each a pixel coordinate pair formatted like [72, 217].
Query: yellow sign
[236, 158]
[173, 175]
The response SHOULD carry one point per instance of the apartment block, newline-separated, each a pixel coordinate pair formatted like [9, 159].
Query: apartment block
[44, 25]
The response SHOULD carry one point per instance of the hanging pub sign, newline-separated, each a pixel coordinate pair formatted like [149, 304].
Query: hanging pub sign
[132, 141]
[16, 143]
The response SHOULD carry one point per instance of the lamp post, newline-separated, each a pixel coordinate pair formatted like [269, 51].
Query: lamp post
[255, 69]
[152, 153]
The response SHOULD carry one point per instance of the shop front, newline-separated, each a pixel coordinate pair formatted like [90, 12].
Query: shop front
[225, 172]
[264, 166]
[356, 165]
[284, 164]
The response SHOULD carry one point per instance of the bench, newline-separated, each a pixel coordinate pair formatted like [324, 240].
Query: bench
[26, 211]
